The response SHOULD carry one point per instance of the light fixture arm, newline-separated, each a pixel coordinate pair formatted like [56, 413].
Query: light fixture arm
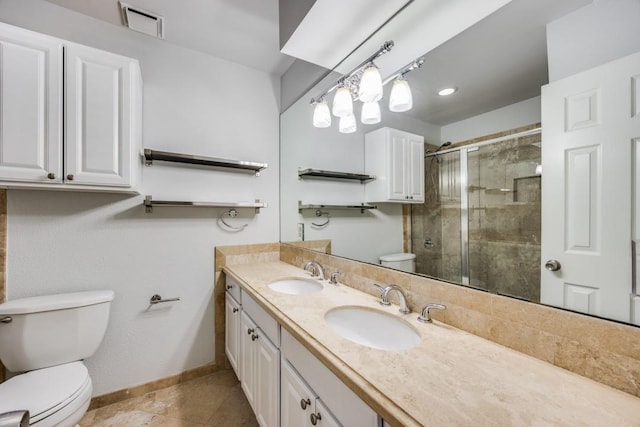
[386, 47]
[404, 70]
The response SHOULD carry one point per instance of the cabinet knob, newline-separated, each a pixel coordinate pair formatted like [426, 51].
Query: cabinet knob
[235, 310]
[250, 331]
[304, 403]
[70, 177]
[51, 175]
[254, 337]
[315, 418]
[229, 286]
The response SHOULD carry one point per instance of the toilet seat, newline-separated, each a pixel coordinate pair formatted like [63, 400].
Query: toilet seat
[55, 392]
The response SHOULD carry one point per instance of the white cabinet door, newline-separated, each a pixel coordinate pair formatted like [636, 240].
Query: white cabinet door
[415, 168]
[30, 106]
[98, 122]
[296, 398]
[232, 331]
[322, 417]
[268, 381]
[590, 133]
[248, 375]
[397, 161]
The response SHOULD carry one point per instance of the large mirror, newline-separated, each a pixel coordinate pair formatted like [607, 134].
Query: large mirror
[482, 218]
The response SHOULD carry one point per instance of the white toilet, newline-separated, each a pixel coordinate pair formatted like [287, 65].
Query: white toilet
[47, 337]
[400, 261]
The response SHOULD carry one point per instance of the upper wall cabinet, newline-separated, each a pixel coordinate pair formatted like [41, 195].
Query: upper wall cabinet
[396, 159]
[95, 96]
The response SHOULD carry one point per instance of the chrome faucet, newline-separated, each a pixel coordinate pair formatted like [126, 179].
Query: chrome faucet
[315, 268]
[334, 277]
[425, 316]
[384, 297]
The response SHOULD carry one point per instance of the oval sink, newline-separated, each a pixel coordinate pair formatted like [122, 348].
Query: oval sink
[372, 328]
[296, 286]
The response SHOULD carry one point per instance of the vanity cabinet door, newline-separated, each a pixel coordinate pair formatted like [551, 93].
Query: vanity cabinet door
[322, 417]
[30, 106]
[232, 331]
[248, 359]
[267, 381]
[297, 400]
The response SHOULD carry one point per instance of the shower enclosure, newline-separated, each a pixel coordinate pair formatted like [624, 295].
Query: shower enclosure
[481, 220]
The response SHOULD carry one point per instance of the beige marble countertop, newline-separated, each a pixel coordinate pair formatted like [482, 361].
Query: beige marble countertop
[452, 378]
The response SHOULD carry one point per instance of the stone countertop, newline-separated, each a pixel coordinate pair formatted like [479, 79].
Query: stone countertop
[452, 378]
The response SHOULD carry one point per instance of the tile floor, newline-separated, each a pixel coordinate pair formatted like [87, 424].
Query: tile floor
[215, 400]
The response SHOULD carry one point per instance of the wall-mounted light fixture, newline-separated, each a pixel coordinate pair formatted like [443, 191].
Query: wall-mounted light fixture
[365, 84]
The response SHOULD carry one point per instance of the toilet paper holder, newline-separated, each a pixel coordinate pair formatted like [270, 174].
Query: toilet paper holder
[157, 299]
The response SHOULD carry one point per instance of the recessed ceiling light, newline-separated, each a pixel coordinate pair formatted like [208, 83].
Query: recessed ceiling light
[447, 91]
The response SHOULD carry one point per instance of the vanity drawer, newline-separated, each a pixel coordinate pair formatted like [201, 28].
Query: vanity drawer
[263, 320]
[233, 287]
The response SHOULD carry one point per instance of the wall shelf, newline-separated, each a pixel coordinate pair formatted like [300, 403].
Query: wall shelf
[236, 165]
[324, 174]
[362, 207]
[149, 204]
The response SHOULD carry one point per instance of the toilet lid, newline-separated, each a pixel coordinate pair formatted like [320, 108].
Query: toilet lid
[43, 391]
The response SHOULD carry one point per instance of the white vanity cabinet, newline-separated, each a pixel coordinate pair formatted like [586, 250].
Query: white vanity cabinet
[260, 362]
[49, 85]
[308, 387]
[396, 159]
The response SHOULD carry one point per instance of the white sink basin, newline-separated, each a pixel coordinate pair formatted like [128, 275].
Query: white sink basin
[372, 328]
[296, 286]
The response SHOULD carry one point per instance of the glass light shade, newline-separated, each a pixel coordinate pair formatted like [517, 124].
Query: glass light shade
[400, 99]
[370, 113]
[348, 124]
[321, 115]
[370, 89]
[342, 102]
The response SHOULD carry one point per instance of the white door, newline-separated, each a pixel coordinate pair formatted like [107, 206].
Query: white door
[232, 331]
[415, 169]
[30, 106]
[268, 382]
[323, 417]
[248, 375]
[98, 123]
[297, 400]
[590, 129]
[396, 159]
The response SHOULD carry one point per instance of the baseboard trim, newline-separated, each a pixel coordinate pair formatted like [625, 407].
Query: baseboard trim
[142, 389]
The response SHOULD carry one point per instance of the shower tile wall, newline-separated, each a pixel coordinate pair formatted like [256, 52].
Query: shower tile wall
[504, 218]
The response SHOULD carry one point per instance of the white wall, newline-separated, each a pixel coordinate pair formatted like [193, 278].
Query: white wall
[510, 117]
[591, 36]
[354, 235]
[60, 241]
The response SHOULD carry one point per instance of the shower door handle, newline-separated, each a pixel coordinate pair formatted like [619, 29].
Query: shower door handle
[552, 265]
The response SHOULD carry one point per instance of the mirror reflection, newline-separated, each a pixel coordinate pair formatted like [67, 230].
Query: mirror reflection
[469, 206]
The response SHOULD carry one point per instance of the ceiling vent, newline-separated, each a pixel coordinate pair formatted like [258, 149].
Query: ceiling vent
[142, 20]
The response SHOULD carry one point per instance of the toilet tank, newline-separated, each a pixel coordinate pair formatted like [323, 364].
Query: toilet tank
[400, 261]
[49, 330]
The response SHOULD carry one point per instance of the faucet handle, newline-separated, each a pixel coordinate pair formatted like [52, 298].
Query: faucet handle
[425, 316]
[334, 277]
[383, 294]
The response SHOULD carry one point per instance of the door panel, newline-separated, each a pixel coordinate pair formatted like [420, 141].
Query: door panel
[98, 117]
[268, 371]
[293, 392]
[232, 331]
[30, 106]
[248, 374]
[588, 141]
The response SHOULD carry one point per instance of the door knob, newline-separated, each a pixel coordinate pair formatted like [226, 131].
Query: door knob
[552, 265]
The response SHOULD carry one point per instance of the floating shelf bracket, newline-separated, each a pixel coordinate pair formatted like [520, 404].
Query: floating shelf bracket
[237, 165]
[362, 207]
[320, 174]
[149, 204]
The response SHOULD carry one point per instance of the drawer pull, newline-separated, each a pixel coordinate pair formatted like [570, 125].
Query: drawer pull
[229, 286]
[235, 310]
[250, 331]
[304, 403]
[254, 337]
[315, 418]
